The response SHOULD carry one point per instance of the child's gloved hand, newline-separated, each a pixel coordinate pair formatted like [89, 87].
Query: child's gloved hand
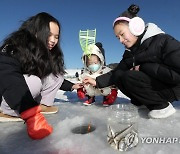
[81, 93]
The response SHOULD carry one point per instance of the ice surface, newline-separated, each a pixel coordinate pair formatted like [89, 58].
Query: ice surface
[14, 139]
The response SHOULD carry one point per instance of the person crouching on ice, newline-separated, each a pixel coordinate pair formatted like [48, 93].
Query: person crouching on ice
[94, 65]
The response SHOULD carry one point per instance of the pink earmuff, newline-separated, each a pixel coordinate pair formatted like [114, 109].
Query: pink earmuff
[136, 24]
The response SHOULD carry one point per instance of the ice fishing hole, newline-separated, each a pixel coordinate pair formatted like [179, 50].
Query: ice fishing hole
[83, 129]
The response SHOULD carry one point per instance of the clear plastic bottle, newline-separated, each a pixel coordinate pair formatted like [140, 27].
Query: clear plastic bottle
[122, 127]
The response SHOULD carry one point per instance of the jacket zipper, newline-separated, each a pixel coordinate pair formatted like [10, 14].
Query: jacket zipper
[133, 62]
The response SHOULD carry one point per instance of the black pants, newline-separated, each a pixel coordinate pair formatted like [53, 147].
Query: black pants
[144, 90]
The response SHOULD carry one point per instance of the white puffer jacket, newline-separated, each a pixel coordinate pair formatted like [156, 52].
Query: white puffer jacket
[89, 89]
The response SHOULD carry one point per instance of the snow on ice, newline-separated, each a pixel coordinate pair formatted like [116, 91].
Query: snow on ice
[156, 136]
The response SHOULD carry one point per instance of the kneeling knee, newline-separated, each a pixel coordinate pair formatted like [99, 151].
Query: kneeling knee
[34, 83]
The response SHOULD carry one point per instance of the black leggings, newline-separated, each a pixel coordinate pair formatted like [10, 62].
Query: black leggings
[144, 90]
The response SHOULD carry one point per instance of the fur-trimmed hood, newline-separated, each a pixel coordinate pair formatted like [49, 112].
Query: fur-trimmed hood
[151, 30]
[93, 49]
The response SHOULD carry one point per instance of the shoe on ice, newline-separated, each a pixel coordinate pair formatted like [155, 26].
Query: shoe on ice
[162, 113]
[48, 109]
[106, 104]
[8, 118]
[89, 101]
[110, 99]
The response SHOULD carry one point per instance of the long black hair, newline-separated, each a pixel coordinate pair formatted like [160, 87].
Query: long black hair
[31, 53]
[38, 25]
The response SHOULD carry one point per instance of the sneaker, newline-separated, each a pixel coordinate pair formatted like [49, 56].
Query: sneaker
[110, 99]
[8, 118]
[162, 113]
[48, 109]
[106, 104]
[90, 101]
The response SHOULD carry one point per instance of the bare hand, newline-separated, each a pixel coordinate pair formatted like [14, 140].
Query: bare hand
[77, 86]
[136, 68]
[89, 80]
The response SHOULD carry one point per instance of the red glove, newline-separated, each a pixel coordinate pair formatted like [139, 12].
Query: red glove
[37, 126]
[81, 93]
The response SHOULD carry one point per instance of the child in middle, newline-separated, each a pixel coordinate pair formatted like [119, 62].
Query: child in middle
[94, 65]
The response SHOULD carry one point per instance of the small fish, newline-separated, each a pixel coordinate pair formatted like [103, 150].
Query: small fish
[123, 140]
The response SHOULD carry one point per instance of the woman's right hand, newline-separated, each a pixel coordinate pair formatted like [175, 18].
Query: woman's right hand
[89, 80]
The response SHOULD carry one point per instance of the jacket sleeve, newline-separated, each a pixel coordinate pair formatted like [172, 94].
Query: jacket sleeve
[161, 72]
[169, 70]
[112, 77]
[13, 86]
[66, 85]
[104, 80]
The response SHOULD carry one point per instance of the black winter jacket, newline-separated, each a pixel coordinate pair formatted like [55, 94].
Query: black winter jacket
[158, 55]
[13, 86]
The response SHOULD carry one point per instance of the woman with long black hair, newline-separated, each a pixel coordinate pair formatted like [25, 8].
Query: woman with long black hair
[31, 72]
